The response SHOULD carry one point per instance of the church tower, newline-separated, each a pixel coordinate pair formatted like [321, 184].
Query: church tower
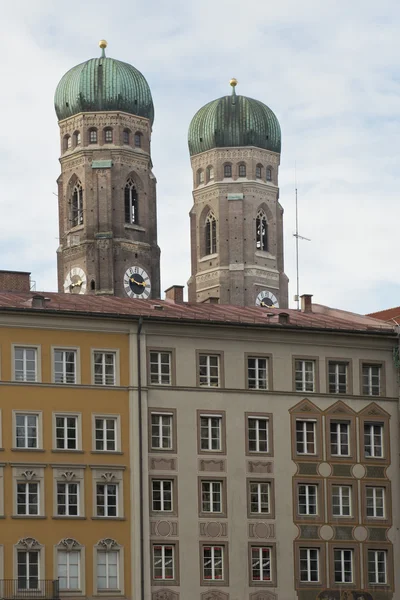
[236, 218]
[106, 190]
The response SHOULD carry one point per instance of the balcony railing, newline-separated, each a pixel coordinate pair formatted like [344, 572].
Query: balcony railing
[32, 589]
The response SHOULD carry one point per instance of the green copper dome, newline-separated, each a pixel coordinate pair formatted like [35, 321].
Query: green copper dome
[101, 84]
[234, 121]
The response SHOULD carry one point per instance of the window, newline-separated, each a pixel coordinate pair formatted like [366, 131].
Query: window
[258, 434]
[268, 174]
[25, 364]
[138, 140]
[213, 563]
[371, 380]
[257, 374]
[305, 436]
[227, 170]
[162, 495]
[375, 505]
[261, 231]
[68, 569]
[242, 170]
[64, 366]
[200, 177]
[341, 500]
[307, 499]
[107, 500]
[340, 438]
[305, 375]
[77, 138]
[160, 368]
[108, 135]
[126, 136]
[105, 434]
[309, 565]
[373, 440]
[26, 431]
[211, 234]
[260, 564]
[161, 431]
[69, 142]
[210, 173]
[377, 567]
[260, 497]
[343, 566]
[92, 136]
[258, 172]
[104, 368]
[211, 433]
[131, 203]
[163, 562]
[211, 496]
[209, 370]
[108, 570]
[28, 569]
[28, 498]
[68, 499]
[337, 375]
[66, 433]
[77, 205]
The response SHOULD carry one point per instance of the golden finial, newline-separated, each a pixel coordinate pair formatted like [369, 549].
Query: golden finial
[233, 82]
[103, 44]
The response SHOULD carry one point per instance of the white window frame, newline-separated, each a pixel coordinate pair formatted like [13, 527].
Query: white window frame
[117, 432]
[304, 442]
[342, 498]
[27, 492]
[308, 496]
[103, 375]
[27, 552]
[37, 373]
[369, 387]
[210, 429]
[163, 495]
[67, 576]
[68, 493]
[260, 559]
[374, 489]
[108, 553]
[373, 453]
[159, 375]
[375, 562]
[256, 487]
[337, 384]
[336, 430]
[258, 382]
[342, 560]
[258, 439]
[65, 428]
[160, 426]
[208, 379]
[308, 559]
[107, 506]
[27, 413]
[215, 488]
[300, 368]
[213, 559]
[163, 560]
[64, 350]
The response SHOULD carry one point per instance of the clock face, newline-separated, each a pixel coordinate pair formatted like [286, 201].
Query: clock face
[267, 300]
[75, 281]
[137, 283]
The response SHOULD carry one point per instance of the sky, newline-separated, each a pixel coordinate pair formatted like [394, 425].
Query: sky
[328, 69]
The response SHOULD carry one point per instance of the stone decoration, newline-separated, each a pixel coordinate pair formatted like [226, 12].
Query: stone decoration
[165, 594]
[107, 543]
[263, 596]
[29, 543]
[262, 531]
[259, 466]
[214, 595]
[212, 465]
[163, 464]
[325, 469]
[164, 528]
[358, 471]
[326, 532]
[69, 544]
[360, 534]
[213, 529]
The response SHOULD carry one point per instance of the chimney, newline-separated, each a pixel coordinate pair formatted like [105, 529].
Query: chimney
[306, 303]
[15, 281]
[175, 294]
[283, 318]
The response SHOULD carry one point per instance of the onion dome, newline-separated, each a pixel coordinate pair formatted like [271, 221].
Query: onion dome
[234, 121]
[102, 84]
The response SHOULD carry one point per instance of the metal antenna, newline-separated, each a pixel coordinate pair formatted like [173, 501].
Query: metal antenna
[298, 237]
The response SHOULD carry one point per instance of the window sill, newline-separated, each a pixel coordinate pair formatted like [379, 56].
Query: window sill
[108, 518]
[109, 593]
[106, 452]
[69, 450]
[28, 450]
[67, 518]
[208, 257]
[134, 227]
[265, 254]
[28, 517]
[76, 228]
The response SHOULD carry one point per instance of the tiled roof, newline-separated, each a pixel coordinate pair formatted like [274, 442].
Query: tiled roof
[391, 315]
[322, 317]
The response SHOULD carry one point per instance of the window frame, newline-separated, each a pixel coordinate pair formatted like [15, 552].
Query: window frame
[386, 485]
[373, 414]
[175, 547]
[258, 171]
[269, 369]
[349, 375]
[38, 362]
[117, 420]
[100, 549]
[353, 516]
[320, 516]
[39, 429]
[27, 483]
[104, 351]
[69, 474]
[68, 546]
[107, 495]
[171, 352]
[223, 513]
[268, 417]
[305, 359]
[137, 139]
[78, 428]
[172, 413]
[212, 414]
[227, 167]
[242, 168]
[305, 410]
[307, 582]
[268, 173]
[210, 235]
[382, 378]
[174, 487]
[224, 580]
[74, 349]
[270, 482]
[93, 139]
[131, 202]
[126, 137]
[108, 475]
[220, 366]
[67, 494]
[272, 582]
[106, 131]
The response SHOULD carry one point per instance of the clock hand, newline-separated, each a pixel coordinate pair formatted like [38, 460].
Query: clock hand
[77, 284]
[137, 282]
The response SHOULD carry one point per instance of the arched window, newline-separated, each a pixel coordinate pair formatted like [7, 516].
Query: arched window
[261, 231]
[69, 560]
[228, 170]
[77, 205]
[138, 139]
[108, 135]
[200, 176]
[258, 171]
[268, 174]
[211, 234]
[210, 173]
[242, 170]
[126, 137]
[92, 136]
[131, 202]
[66, 142]
[92, 285]
[77, 136]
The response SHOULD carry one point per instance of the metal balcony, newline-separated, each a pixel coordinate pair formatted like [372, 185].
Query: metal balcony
[32, 589]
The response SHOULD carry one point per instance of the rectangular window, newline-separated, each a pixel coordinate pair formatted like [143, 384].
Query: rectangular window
[108, 570]
[25, 364]
[307, 499]
[227, 170]
[92, 136]
[209, 370]
[26, 434]
[107, 499]
[371, 380]
[66, 433]
[337, 376]
[161, 431]
[377, 567]
[343, 566]
[309, 565]
[375, 502]
[68, 569]
[340, 438]
[373, 440]
[341, 501]
[258, 434]
[211, 433]
[64, 366]
[28, 569]
[257, 373]
[28, 498]
[160, 368]
[213, 563]
[67, 499]
[305, 436]
[211, 496]
[105, 434]
[305, 375]
[260, 497]
[163, 562]
[261, 564]
[162, 495]
[104, 368]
